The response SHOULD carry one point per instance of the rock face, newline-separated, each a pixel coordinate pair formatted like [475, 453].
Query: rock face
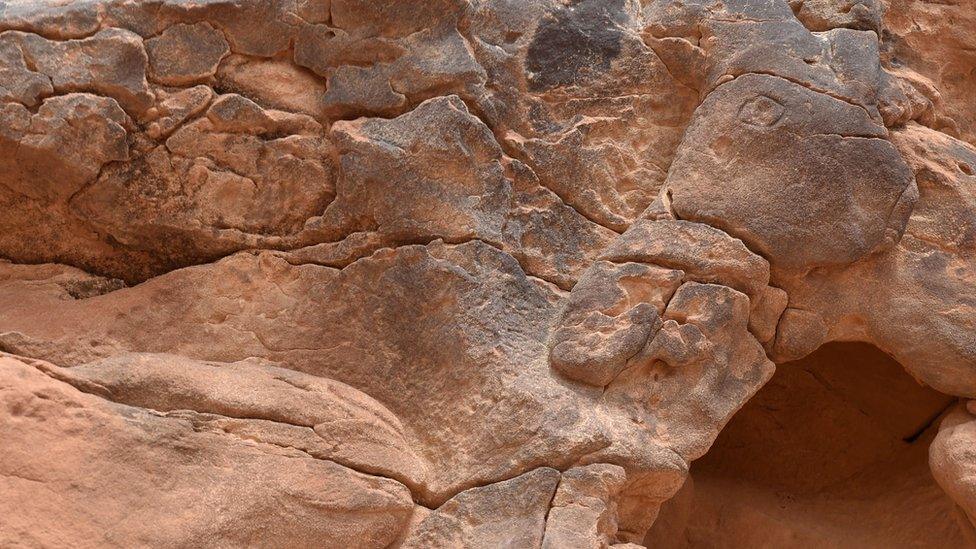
[110, 469]
[487, 273]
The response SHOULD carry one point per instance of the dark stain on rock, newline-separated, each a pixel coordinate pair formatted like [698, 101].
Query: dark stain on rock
[575, 43]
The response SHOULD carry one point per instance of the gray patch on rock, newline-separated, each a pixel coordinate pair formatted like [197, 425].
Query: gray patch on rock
[575, 42]
[92, 287]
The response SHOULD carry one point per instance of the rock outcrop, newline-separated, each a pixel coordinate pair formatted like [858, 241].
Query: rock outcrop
[486, 273]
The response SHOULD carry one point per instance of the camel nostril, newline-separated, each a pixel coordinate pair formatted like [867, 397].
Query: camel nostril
[965, 168]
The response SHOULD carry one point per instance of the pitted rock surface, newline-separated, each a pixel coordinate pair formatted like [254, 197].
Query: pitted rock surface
[487, 273]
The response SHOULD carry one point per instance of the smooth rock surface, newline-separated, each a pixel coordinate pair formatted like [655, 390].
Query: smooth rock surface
[110, 469]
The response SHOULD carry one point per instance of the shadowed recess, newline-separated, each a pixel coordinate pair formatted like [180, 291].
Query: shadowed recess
[832, 452]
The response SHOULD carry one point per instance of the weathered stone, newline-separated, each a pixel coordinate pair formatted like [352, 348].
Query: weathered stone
[821, 457]
[437, 172]
[484, 273]
[238, 171]
[74, 20]
[438, 285]
[186, 54]
[103, 462]
[882, 299]
[767, 308]
[952, 461]
[380, 57]
[511, 513]
[603, 141]
[610, 315]
[817, 185]
[356, 431]
[54, 153]
[937, 42]
[702, 252]
[66, 282]
[824, 15]
[841, 62]
[799, 333]
[18, 83]
[583, 512]
[111, 62]
[276, 84]
[174, 109]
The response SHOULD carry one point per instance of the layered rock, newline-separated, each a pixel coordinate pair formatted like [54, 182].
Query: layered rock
[105, 465]
[459, 273]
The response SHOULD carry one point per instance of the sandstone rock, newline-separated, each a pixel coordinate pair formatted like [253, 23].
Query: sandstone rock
[821, 458]
[702, 252]
[410, 184]
[522, 420]
[824, 15]
[74, 20]
[52, 154]
[511, 513]
[767, 309]
[860, 190]
[111, 62]
[579, 99]
[356, 430]
[239, 171]
[799, 333]
[273, 83]
[583, 510]
[174, 109]
[464, 161]
[186, 54]
[906, 96]
[483, 273]
[412, 50]
[936, 347]
[610, 315]
[743, 38]
[61, 280]
[952, 461]
[103, 463]
[921, 38]
[18, 83]
[440, 285]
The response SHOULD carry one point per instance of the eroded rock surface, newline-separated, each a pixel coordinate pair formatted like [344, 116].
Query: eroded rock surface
[105, 462]
[474, 273]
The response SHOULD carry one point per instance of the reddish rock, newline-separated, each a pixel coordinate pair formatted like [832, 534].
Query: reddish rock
[186, 54]
[413, 273]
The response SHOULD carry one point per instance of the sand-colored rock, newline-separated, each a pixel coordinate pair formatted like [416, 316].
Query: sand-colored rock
[486, 273]
[355, 430]
[821, 458]
[934, 43]
[112, 63]
[938, 347]
[186, 54]
[583, 511]
[109, 470]
[952, 458]
[510, 513]
[860, 190]
[50, 155]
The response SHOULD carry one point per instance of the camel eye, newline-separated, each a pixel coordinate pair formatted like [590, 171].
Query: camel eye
[762, 110]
